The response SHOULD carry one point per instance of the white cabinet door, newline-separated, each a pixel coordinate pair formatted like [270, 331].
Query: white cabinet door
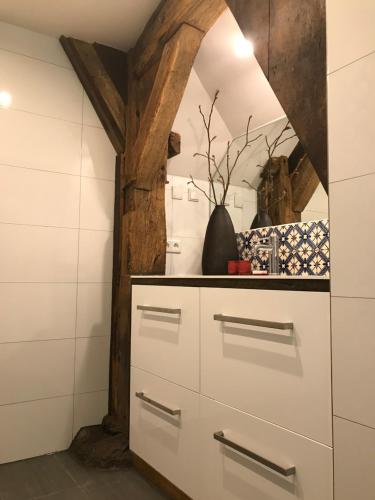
[282, 376]
[166, 441]
[229, 474]
[165, 332]
[354, 447]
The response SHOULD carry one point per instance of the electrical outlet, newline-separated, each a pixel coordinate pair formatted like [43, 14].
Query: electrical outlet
[173, 246]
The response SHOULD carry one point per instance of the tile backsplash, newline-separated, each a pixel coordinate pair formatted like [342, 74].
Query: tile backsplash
[304, 248]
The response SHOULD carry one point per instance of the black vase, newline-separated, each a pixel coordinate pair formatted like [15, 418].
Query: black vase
[219, 243]
[262, 219]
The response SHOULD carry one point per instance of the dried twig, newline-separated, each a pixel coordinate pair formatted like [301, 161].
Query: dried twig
[213, 167]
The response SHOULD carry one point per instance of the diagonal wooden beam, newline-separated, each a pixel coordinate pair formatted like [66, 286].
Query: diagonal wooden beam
[304, 183]
[166, 20]
[100, 88]
[174, 69]
[290, 45]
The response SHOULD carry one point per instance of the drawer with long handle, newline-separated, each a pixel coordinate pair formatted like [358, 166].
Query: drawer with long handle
[165, 333]
[164, 428]
[245, 457]
[267, 353]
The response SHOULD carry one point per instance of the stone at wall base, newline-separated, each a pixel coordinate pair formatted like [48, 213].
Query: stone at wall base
[96, 447]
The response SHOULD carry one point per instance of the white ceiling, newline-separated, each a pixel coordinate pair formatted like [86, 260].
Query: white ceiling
[117, 23]
[244, 90]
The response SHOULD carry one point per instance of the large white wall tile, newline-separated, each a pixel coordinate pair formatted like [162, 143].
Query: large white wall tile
[89, 409]
[38, 254]
[36, 370]
[98, 155]
[35, 428]
[353, 354]
[89, 114]
[351, 125]
[351, 206]
[37, 311]
[97, 204]
[95, 256]
[33, 141]
[32, 44]
[350, 31]
[35, 197]
[94, 309]
[354, 459]
[41, 88]
[92, 364]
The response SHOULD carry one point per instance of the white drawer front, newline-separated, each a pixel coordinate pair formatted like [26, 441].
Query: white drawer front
[227, 474]
[167, 343]
[169, 443]
[282, 376]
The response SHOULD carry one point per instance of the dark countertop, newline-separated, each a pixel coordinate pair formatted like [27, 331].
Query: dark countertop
[281, 282]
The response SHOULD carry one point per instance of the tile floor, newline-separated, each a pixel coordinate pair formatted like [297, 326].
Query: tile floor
[61, 477]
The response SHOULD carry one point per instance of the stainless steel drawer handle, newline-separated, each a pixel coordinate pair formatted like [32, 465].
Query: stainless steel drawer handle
[254, 322]
[285, 471]
[160, 406]
[166, 310]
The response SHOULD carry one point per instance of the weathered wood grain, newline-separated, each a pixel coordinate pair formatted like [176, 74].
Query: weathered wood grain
[253, 17]
[99, 87]
[166, 20]
[304, 183]
[169, 85]
[291, 50]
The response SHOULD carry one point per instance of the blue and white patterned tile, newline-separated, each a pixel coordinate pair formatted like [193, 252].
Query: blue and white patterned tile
[303, 251]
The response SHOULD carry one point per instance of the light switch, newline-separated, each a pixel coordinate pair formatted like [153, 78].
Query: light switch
[193, 195]
[178, 192]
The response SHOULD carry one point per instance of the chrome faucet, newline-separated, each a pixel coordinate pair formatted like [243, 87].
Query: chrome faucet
[272, 245]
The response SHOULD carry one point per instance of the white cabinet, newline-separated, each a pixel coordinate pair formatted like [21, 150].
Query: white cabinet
[281, 375]
[168, 442]
[231, 389]
[228, 474]
[354, 447]
[165, 333]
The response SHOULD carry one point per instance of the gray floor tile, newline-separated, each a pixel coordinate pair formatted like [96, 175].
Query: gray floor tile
[81, 474]
[70, 494]
[31, 478]
[128, 485]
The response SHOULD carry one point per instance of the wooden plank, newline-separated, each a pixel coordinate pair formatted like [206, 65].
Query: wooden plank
[253, 18]
[115, 63]
[297, 73]
[291, 50]
[166, 20]
[100, 88]
[157, 479]
[304, 183]
[170, 82]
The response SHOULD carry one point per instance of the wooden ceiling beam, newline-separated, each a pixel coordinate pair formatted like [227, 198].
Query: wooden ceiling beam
[99, 87]
[171, 78]
[166, 20]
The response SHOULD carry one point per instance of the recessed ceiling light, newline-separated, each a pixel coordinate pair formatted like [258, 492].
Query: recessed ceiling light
[5, 99]
[243, 47]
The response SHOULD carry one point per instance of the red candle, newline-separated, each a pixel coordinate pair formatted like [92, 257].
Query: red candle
[233, 266]
[244, 267]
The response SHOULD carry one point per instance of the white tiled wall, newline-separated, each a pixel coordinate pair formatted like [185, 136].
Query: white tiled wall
[351, 98]
[56, 222]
